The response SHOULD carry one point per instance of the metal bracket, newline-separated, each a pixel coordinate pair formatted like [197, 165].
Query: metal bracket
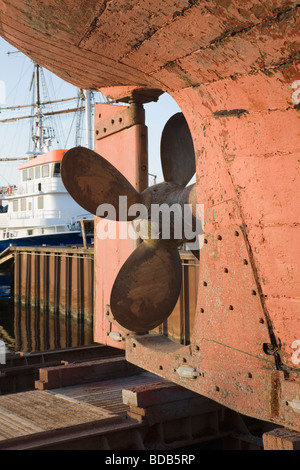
[132, 115]
[114, 335]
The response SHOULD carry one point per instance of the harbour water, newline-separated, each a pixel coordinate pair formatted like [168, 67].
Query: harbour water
[26, 328]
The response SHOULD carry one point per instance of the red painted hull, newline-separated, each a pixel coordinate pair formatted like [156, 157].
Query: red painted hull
[233, 68]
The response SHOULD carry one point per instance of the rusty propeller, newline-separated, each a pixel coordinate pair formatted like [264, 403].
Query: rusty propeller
[91, 180]
[147, 287]
[148, 284]
[177, 151]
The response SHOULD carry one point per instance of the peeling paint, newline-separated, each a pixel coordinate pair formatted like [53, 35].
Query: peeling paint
[232, 112]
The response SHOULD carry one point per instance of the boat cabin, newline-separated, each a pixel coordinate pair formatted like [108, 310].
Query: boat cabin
[40, 205]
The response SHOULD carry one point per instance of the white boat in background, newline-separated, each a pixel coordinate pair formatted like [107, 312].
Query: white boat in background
[38, 210]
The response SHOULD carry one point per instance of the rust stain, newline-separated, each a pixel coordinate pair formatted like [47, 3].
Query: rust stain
[275, 395]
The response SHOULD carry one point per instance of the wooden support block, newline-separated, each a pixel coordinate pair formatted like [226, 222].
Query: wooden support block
[196, 405]
[158, 393]
[165, 401]
[86, 372]
[281, 439]
[173, 410]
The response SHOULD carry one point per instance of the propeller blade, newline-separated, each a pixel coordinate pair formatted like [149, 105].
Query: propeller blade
[177, 151]
[147, 287]
[196, 253]
[91, 180]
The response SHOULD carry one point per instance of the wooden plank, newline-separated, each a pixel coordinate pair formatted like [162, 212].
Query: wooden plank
[50, 249]
[12, 425]
[16, 361]
[21, 370]
[107, 393]
[72, 374]
[5, 259]
[34, 412]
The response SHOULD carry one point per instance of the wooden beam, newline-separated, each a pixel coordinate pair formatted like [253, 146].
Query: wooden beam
[281, 439]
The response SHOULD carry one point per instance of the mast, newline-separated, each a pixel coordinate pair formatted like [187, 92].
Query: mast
[88, 119]
[42, 135]
[38, 137]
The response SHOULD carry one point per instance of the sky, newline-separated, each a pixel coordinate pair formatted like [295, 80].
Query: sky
[16, 71]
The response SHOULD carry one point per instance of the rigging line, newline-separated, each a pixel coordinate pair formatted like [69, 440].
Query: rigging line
[79, 113]
[15, 91]
[5, 179]
[57, 125]
[48, 123]
[30, 105]
[12, 159]
[20, 126]
[22, 73]
[18, 82]
[71, 127]
[72, 110]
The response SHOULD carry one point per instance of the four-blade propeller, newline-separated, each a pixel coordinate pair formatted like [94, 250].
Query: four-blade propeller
[148, 285]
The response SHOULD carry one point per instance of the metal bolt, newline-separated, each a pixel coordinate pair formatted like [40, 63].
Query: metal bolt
[270, 349]
[187, 372]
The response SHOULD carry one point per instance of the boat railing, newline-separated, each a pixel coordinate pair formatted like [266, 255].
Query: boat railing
[39, 215]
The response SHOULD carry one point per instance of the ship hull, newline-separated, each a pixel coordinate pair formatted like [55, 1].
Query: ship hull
[170, 46]
[65, 239]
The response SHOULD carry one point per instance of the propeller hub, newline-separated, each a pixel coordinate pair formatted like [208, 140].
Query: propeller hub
[165, 213]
